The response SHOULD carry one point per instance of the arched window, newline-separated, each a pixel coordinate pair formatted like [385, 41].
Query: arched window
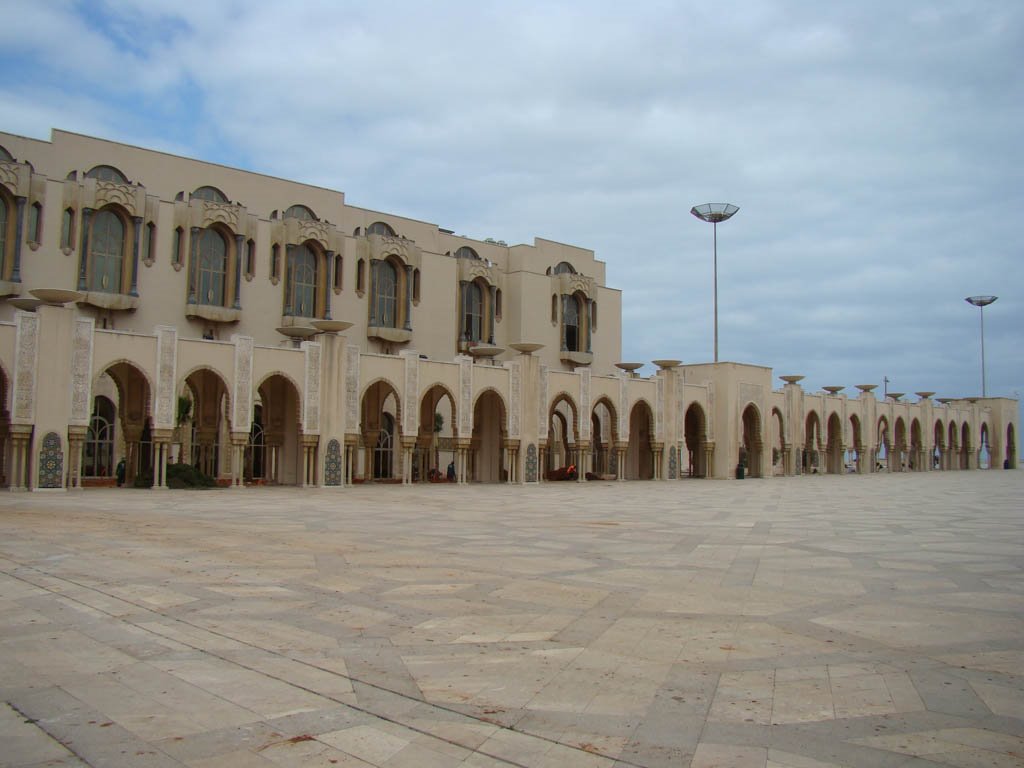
[467, 253]
[382, 451]
[380, 228]
[300, 212]
[177, 247]
[35, 222]
[301, 284]
[473, 312]
[339, 280]
[210, 194]
[255, 448]
[564, 268]
[385, 294]
[107, 173]
[98, 449]
[106, 252]
[67, 228]
[212, 268]
[554, 308]
[250, 258]
[6, 156]
[497, 304]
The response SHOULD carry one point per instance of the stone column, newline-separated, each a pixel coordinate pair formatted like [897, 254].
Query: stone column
[76, 437]
[137, 226]
[239, 256]
[83, 257]
[193, 251]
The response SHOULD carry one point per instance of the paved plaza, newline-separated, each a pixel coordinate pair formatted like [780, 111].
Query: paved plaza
[802, 622]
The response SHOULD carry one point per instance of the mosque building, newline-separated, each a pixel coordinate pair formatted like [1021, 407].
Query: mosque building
[167, 311]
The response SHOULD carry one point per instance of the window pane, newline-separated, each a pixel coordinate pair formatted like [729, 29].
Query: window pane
[212, 267]
[302, 281]
[386, 294]
[106, 248]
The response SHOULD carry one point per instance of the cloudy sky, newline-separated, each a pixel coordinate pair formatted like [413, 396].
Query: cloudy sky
[874, 149]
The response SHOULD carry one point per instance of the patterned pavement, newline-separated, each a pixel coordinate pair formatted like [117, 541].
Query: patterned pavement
[795, 622]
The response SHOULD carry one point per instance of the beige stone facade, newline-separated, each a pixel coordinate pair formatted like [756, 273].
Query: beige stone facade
[163, 309]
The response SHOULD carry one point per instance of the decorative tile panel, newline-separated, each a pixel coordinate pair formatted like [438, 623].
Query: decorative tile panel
[51, 462]
[672, 463]
[531, 463]
[332, 464]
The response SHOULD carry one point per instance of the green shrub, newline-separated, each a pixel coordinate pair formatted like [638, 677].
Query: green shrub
[186, 476]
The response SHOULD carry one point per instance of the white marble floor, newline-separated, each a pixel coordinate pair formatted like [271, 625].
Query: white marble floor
[801, 622]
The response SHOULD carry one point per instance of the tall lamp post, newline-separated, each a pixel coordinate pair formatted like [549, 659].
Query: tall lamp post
[715, 212]
[981, 302]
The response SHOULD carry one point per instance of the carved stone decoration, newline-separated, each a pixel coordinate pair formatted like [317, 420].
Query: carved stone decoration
[51, 462]
[221, 213]
[9, 176]
[332, 464]
[515, 387]
[81, 372]
[165, 413]
[351, 388]
[471, 269]
[542, 404]
[584, 418]
[672, 463]
[382, 246]
[659, 409]
[313, 230]
[569, 284]
[311, 389]
[26, 353]
[531, 463]
[465, 395]
[241, 418]
[410, 414]
[108, 192]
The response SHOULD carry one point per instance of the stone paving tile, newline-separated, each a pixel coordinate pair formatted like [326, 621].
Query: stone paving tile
[794, 623]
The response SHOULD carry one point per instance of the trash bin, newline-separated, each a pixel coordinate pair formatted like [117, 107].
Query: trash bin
[740, 471]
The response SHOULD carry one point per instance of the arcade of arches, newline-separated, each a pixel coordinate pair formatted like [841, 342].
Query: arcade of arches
[326, 414]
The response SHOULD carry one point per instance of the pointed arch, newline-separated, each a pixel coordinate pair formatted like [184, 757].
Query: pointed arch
[640, 451]
[751, 452]
[695, 433]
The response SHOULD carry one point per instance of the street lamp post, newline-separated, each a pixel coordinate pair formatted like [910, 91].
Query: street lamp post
[715, 212]
[981, 302]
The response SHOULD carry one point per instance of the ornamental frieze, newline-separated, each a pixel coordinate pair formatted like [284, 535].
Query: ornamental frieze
[471, 269]
[9, 176]
[314, 230]
[221, 213]
[569, 284]
[109, 192]
[382, 246]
